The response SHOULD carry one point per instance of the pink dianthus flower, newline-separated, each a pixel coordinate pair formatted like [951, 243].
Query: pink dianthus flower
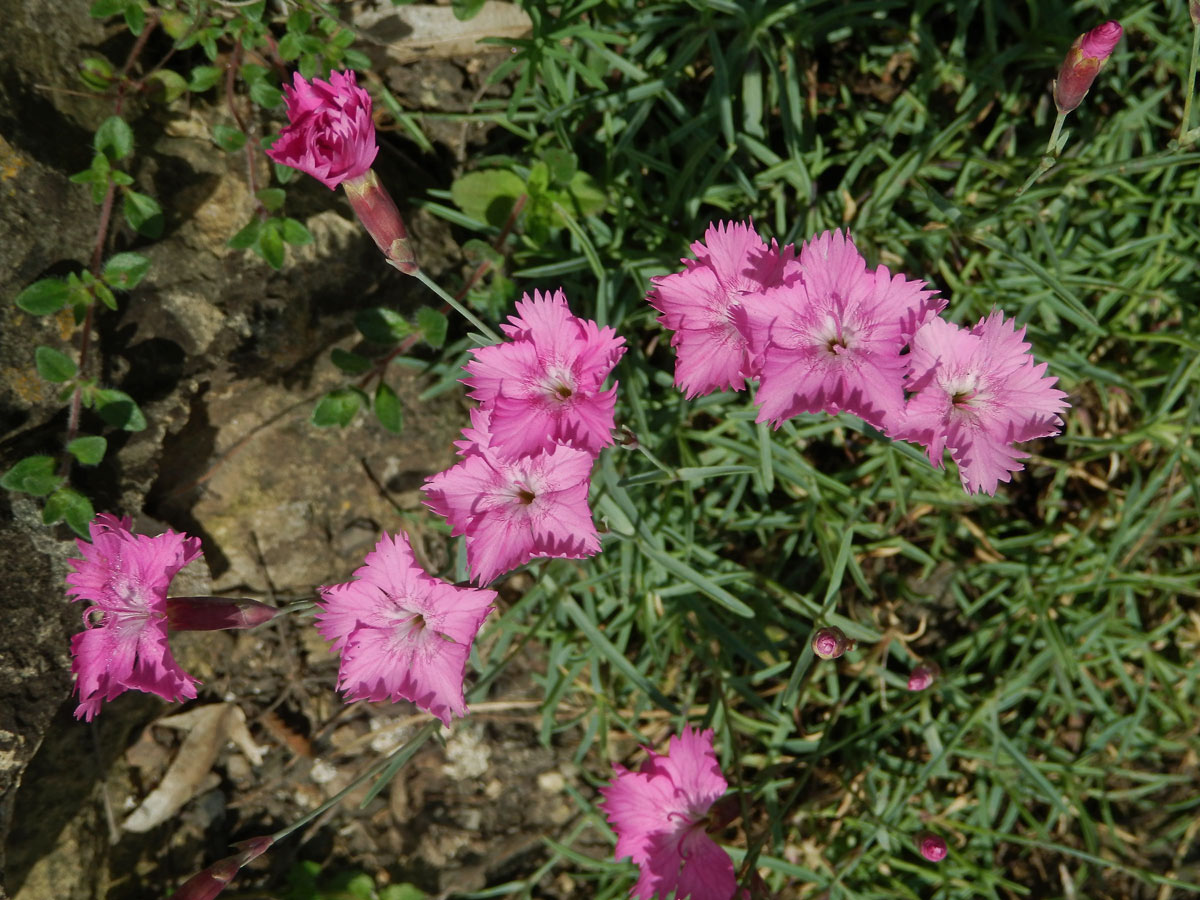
[402, 634]
[515, 510]
[661, 815]
[830, 340]
[124, 646]
[331, 136]
[733, 265]
[544, 386]
[978, 392]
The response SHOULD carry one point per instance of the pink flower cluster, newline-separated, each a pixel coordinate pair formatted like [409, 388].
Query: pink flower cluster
[520, 490]
[661, 815]
[822, 332]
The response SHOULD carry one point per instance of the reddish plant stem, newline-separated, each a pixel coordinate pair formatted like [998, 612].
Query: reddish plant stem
[235, 59]
[106, 209]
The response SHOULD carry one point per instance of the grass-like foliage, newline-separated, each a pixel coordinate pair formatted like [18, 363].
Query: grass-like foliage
[1056, 752]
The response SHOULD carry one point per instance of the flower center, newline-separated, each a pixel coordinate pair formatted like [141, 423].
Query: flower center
[525, 496]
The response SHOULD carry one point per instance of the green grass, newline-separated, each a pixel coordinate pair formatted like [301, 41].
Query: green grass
[1057, 754]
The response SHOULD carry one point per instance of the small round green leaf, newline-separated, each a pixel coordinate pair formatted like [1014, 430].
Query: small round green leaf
[203, 78]
[488, 195]
[114, 138]
[125, 270]
[270, 244]
[272, 198]
[166, 85]
[32, 475]
[350, 363]
[338, 408]
[228, 138]
[387, 409]
[382, 326]
[67, 503]
[143, 214]
[89, 449]
[54, 365]
[44, 297]
[295, 233]
[119, 409]
[433, 326]
[247, 237]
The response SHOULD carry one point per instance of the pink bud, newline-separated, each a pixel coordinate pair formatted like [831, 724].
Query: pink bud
[830, 643]
[922, 676]
[216, 613]
[933, 848]
[377, 211]
[1084, 60]
[210, 882]
[1194, 12]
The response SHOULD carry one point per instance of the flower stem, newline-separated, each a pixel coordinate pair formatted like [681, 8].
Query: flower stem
[1050, 158]
[457, 306]
[1190, 88]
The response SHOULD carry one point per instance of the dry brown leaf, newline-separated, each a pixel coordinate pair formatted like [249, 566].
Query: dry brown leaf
[208, 728]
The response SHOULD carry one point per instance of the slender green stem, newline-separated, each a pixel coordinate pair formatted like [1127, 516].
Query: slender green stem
[1052, 146]
[1050, 158]
[458, 307]
[1190, 88]
[410, 747]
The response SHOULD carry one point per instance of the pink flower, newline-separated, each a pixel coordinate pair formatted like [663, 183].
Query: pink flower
[513, 510]
[1083, 62]
[922, 676]
[661, 814]
[830, 340]
[124, 646]
[932, 847]
[830, 643]
[977, 393]
[331, 136]
[403, 634]
[544, 387]
[732, 267]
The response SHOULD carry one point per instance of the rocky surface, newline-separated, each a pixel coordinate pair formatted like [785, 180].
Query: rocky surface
[226, 358]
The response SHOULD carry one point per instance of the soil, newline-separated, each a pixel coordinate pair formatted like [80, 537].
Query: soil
[226, 357]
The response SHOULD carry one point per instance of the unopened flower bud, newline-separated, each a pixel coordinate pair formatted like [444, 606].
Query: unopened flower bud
[1194, 12]
[377, 211]
[1084, 60]
[216, 613]
[922, 676]
[932, 847]
[211, 881]
[830, 643]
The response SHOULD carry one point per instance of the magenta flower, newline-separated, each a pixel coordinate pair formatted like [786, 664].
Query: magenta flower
[515, 510]
[932, 847]
[402, 634]
[977, 393]
[331, 136]
[1084, 61]
[544, 386]
[830, 643]
[661, 815]
[124, 645]
[922, 676]
[732, 267]
[830, 340]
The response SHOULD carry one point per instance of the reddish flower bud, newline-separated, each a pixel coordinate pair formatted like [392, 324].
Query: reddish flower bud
[377, 211]
[830, 643]
[1084, 60]
[216, 613]
[922, 676]
[1194, 12]
[211, 881]
[932, 847]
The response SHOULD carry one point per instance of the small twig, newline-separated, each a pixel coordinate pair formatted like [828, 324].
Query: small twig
[231, 101]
